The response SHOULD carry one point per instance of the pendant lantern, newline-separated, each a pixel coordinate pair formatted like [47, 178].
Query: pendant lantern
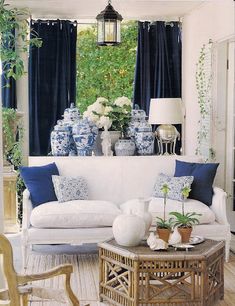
[108, 26]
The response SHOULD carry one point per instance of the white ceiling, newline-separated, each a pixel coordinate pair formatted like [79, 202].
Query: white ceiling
[88, 9]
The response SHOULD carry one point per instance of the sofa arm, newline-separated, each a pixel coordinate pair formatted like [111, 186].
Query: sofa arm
[27, 209]
[219, 205]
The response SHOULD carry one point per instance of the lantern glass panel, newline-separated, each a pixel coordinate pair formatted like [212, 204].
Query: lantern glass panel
[110, 31]
[100, 31]
[118, 31]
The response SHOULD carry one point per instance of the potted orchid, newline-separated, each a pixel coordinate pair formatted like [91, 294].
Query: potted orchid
[163, 225]
[185, 221]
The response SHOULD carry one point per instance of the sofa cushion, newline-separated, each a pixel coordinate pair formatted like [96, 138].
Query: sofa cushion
[70, 188]
[203, 174]
[38, 181]
[74, 214]
[175, 185]
[156, 207]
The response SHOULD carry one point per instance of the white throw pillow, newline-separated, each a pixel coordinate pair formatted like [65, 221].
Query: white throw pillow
[156, 207]
[70, 188]
[74, 214]
[175, 184]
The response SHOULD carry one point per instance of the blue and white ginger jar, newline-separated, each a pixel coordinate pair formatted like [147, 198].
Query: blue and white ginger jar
[72, 145]
[60, 139]
[84, 135]
[71, 114]
[144, 139]
[137, 117]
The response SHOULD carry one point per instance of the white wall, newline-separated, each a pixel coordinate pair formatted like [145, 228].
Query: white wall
[212, 20]
[22, 87]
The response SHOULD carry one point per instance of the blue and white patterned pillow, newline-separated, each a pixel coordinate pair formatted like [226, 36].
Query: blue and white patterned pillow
[175, 184]
[70, 188]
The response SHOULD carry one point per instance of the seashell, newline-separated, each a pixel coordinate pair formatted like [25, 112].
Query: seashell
[156, 243]
[151, 239]
[175, 237]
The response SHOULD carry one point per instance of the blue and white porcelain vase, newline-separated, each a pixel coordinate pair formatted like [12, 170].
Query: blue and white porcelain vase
[137, 117]
[60, 139]
[144, 139]
[84, 135]
[71, 114]
[72, 145]
[125, 147]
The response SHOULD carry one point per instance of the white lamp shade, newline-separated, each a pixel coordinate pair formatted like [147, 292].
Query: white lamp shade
[165, 111]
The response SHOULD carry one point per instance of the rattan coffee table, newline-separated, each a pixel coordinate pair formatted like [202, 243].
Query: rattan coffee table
[131, 276]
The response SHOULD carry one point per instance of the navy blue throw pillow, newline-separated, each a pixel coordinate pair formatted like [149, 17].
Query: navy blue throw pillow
[203, 174]
[38, 181]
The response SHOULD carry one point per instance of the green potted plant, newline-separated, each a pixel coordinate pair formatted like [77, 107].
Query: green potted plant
[12, 149]
[163, 225]
[185, 221]
[12, 126]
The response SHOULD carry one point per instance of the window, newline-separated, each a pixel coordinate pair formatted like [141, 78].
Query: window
[106, 71]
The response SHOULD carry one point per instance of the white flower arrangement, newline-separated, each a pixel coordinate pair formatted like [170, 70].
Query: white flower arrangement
[110, 115]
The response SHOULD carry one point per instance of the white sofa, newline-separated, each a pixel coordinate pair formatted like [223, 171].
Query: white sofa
[116, 179]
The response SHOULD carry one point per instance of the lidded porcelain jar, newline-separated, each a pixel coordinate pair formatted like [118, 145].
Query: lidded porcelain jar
[60, 139]
[144, 139]
[125, 147]
[128, 229]
[71, 114]
[84, 135]
[138, 116]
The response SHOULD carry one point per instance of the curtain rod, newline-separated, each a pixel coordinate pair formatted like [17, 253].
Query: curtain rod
[47, 21]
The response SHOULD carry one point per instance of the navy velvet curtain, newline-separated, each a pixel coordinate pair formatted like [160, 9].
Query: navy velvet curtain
[8, 84]
[52, 79]
[158, 63]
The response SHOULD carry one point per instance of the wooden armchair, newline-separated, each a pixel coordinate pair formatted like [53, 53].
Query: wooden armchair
[19, 287]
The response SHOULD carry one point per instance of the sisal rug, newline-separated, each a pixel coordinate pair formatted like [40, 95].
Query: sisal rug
[84, 280]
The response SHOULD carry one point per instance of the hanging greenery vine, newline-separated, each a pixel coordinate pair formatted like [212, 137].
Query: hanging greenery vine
[14, 42]
[203, 85]
[14, 39]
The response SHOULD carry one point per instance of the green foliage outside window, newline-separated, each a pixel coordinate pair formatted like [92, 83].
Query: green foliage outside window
[106, 71]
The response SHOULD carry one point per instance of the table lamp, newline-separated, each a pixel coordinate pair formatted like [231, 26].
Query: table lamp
[166, 111]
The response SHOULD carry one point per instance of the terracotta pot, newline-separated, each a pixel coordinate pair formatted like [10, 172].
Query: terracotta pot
[185, 233]
[164, 233]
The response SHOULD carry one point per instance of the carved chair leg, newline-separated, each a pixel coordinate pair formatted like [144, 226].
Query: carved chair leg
[72, 297]
[24, 300]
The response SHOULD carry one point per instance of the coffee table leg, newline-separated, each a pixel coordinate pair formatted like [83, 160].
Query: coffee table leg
[136, 283]
[101, 274]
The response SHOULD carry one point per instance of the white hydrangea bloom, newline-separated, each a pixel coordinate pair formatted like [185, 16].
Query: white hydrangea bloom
[90, 116]
[98, 108]
[86, 114]
[94, 118]
[121, 101]
[101, 100]
[104, 121]
[90, 108]
[107, 110]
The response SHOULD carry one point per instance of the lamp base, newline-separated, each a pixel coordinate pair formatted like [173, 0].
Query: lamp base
[167, 134]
